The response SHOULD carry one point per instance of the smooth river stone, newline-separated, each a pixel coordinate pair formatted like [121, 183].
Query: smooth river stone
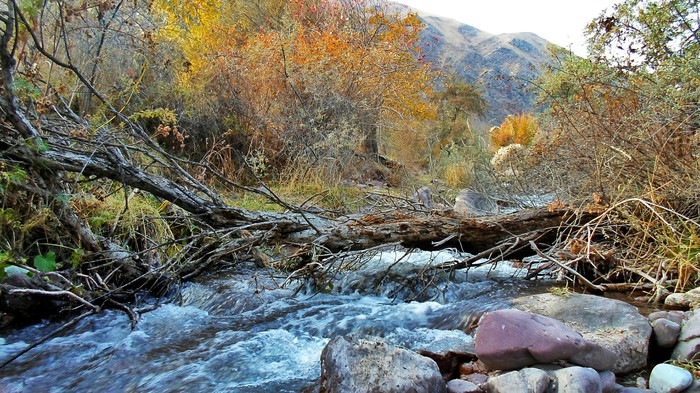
[667, 378]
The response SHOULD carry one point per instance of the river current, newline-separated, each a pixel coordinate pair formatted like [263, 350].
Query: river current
[248, 330]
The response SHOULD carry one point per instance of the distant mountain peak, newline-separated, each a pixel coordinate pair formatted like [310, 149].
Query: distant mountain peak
[501, 64]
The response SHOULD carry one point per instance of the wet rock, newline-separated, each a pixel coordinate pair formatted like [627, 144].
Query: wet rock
[462, 386]
[666, 332]
[472, 203]
[351, 364]
[683, 301]
[689, 339]
[528, 380]
[577, 380]
[667, 378]
[610, 323]
[510, 339]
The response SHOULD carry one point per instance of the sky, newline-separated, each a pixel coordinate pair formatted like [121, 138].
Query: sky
[559, 21]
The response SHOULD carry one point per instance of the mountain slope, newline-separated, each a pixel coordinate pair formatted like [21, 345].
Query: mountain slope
[502, 65]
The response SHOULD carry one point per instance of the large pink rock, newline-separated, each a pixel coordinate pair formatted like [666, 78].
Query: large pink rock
[618, 329]
[510, 339]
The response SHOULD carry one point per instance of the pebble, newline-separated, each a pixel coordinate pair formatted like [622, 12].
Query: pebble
[462, 386]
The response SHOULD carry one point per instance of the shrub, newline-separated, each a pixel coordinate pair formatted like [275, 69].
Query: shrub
[515, 129]
[629, 117]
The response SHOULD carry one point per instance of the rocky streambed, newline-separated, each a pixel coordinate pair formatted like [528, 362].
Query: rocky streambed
[543, 343]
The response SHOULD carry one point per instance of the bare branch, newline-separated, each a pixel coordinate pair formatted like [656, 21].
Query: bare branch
[54, 294]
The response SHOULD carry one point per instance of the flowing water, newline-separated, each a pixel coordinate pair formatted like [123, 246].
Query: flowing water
[239, 331]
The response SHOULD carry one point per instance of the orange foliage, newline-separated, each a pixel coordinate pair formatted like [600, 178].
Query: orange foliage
[284, 71]
[520, 129]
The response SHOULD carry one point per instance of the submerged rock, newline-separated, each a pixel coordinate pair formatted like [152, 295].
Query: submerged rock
[350, 365]
[612, 324]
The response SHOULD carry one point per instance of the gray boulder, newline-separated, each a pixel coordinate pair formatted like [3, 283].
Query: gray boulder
[350, 365]
[612, 324]
[689, 339]
[472, 203]
[510, 339]
[667, 378]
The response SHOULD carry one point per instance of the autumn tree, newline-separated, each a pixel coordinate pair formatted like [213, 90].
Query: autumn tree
[307, 83]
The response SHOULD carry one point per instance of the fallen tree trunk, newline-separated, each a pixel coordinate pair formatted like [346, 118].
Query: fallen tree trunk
[448, 229]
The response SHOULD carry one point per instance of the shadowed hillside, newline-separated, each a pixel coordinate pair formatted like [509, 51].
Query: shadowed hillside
[500, 64]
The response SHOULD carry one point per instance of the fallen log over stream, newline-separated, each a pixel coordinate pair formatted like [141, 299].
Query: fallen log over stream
[437, 230]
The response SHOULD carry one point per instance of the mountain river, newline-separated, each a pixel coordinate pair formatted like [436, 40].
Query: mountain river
[250, 330]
